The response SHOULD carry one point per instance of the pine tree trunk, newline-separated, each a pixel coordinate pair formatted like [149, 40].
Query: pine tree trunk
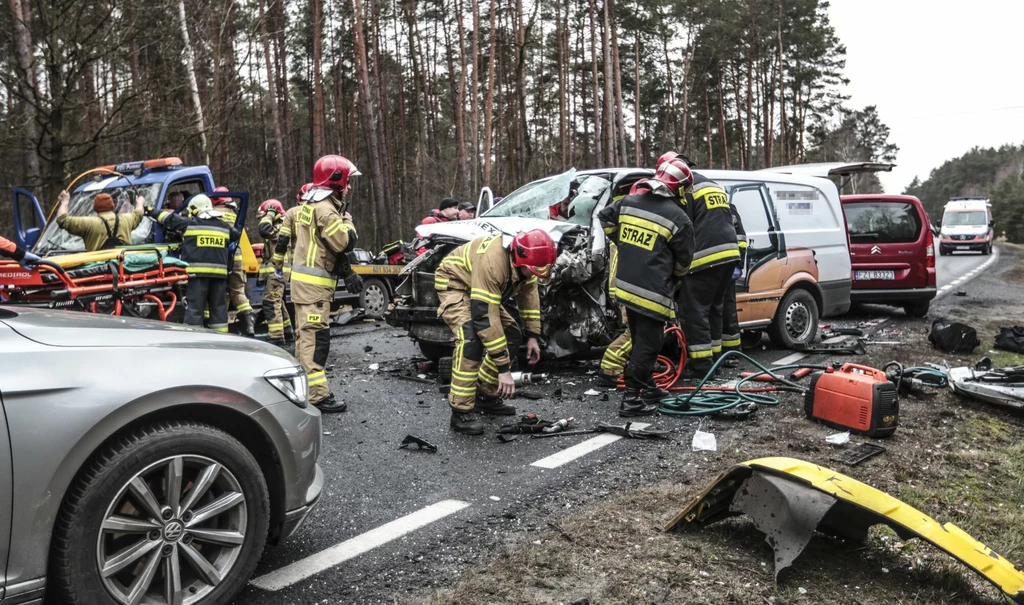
[318, 81]
[750, 107]
[489, 104]
[462, 179]
[620, 118]
[190, 64]
[611, 149]
[474, 135]
[282, 171]
[28, 85]
[369, 121]
[685, 106]
[597, 121]
[670, 111]
[721, 119]
[782, 95]
[637, 112]
[707, 128]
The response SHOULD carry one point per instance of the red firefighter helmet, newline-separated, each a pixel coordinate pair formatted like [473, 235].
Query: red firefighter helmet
[675, 174]
[303, 191]
[267, 205]
[333, 171]
[668, 155]
[219, 201]
[534, 250]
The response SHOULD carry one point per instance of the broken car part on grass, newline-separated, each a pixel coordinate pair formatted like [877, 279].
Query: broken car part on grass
[1002, 386]
[788, 499]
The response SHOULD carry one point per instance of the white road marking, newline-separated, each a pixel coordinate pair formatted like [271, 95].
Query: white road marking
[353, 547]
[785, 361]
[963, 279]
[582, 449]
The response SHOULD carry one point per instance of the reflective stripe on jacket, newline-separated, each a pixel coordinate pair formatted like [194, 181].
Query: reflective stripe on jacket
[320, 235]
[483, 267]
[707, 205]
[654, 238]
[204, 242]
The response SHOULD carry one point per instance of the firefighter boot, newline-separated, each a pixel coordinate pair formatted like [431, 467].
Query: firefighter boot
[248, 324]
[608, 381]
[466, 423]
[652, 394]
[696, 370]
[331, 405]
[635, 405]
[493, 406]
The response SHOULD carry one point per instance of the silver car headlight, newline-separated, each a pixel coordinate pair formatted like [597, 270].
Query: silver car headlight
[292, 382]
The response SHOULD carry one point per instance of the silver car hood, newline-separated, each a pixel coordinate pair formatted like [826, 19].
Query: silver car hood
[74, 329]
[507, 225]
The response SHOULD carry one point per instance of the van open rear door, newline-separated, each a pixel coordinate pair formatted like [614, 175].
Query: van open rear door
[843, 170]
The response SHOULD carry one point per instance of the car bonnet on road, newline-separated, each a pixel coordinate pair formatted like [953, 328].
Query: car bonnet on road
[71, 329]
[506, 225]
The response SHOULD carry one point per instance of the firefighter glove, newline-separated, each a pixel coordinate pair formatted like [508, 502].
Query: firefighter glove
[353, 282]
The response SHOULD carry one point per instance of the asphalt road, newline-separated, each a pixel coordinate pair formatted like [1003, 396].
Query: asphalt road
[360, 545]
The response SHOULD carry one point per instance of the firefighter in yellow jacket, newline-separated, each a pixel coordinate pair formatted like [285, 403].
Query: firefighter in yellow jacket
[228, 208]
[323, 234]
[271, 215]
[473, 282]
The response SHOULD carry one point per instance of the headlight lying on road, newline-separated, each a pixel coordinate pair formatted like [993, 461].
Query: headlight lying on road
[292, 383]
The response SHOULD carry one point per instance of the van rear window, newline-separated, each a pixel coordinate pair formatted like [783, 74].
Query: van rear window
[882, 222]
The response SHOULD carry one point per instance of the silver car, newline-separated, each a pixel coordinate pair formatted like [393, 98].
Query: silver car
[145, 462]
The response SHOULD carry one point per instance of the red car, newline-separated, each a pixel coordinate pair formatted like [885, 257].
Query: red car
[892, 251]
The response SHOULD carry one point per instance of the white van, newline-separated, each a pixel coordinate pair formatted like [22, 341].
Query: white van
[966, 225]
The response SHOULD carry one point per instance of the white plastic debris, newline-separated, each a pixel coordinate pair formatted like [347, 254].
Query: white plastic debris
[591, 392]
[838, 438]
[496, 499]
[704, 442]
[705, 574]
[802, 590]
[421, 376]
[374, 366]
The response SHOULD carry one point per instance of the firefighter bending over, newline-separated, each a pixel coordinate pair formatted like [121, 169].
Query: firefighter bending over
[473, 282]
[655, 243]
[205, 241]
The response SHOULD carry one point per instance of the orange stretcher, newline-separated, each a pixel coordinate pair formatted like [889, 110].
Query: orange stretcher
[139, 281]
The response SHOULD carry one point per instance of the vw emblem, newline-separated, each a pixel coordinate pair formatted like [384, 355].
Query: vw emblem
[876, 250]
[173, 531]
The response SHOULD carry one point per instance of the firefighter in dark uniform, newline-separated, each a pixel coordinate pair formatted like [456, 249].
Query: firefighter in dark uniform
[731, 337]
[655, 242]
[323, 234]
[271, 215]
[236, 277]
[715, 255]
[473, 282]
[205, 241]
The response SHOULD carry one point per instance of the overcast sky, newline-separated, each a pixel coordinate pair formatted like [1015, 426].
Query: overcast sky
[945, 76]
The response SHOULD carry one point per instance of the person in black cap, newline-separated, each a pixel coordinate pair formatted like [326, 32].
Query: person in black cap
[448, 210]
[466, 211]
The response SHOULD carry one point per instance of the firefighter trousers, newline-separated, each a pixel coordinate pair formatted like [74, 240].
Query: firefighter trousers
[730, 320]
[207, 294]
[313, 345]
[616, 356]
[236, 286]
[274, 309]
[648, 334]
[472, 369]
[700, 313]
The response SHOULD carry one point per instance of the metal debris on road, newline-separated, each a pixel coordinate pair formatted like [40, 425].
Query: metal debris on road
[421, 444]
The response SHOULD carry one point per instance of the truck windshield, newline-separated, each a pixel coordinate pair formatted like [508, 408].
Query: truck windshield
[975, 218]
[55, 240]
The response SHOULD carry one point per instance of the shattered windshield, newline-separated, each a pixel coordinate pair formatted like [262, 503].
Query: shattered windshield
[536, 199]
[56, 240]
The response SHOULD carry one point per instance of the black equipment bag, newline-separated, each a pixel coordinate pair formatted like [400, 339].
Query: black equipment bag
[1011, 339]
[953, 337]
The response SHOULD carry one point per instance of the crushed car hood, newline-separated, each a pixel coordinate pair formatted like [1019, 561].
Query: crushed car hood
[75, 329]
[506, 225]
[788, 499]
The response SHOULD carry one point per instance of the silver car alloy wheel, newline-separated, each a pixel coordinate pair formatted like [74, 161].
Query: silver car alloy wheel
[376, 299]
[172, 533]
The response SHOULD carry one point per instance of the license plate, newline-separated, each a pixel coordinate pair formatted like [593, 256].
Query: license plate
[873, 275]
[963, 247]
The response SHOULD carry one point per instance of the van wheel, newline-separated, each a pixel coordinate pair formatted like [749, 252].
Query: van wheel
[917, 309]
[796, 321]
[943, 251]
[987, 250]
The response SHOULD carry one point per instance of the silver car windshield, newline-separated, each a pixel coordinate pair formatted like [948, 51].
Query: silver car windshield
[55, 240]
[536, 199]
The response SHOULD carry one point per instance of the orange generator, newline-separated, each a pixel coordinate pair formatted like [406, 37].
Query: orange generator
[854, 397]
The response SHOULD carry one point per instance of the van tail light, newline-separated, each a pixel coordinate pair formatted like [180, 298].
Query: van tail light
[929, 252]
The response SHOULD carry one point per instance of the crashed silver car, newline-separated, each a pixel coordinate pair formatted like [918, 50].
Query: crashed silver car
[795, 271]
